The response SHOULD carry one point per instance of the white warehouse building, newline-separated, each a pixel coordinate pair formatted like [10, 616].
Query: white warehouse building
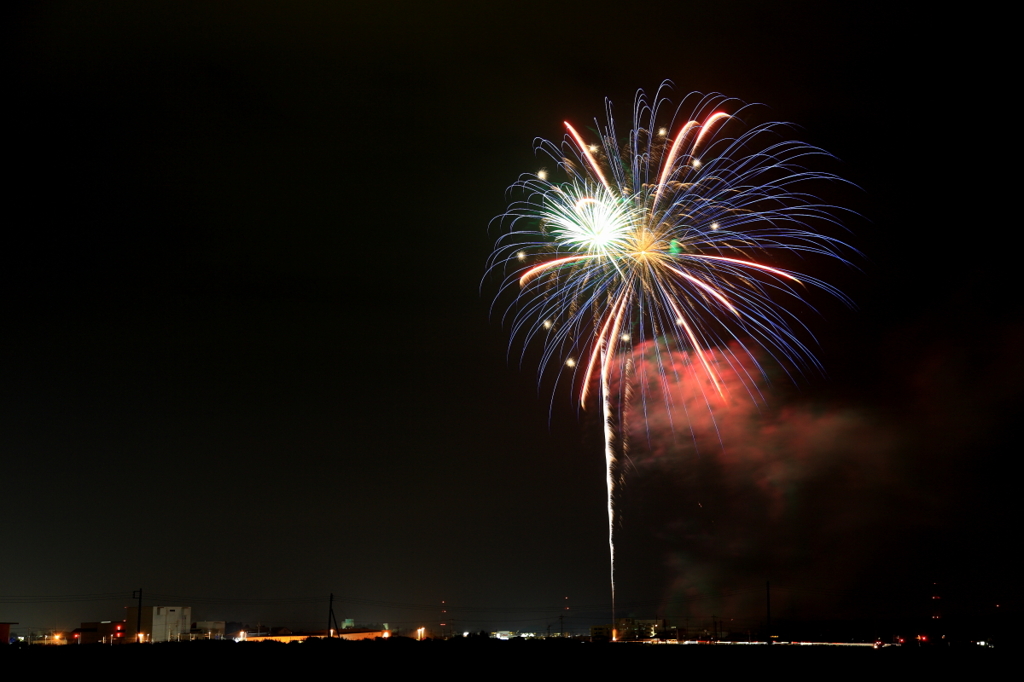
[159, 623]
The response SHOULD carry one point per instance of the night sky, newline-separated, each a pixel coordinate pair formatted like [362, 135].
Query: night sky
[247, 356]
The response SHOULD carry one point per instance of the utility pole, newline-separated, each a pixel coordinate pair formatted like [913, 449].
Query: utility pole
[768, 604]
[331, 617]
[561, 617]
[138, 619]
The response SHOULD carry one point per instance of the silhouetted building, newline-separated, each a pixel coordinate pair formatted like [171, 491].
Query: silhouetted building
[159, 623]
[100, 632]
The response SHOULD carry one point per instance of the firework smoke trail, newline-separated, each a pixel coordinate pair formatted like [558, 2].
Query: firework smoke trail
[659, 241]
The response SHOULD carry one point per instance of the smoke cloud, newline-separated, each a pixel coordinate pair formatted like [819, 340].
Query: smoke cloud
[825, 498]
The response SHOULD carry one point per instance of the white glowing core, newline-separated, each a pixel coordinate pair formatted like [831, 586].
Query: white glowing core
[596, 222]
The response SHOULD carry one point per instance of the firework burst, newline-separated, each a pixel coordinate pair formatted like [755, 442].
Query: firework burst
[663, 238]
